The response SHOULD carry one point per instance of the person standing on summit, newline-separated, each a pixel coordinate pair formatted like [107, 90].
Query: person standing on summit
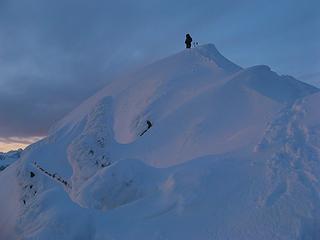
[188, 41]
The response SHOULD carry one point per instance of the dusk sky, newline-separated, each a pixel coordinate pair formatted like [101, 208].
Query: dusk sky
[55, 54]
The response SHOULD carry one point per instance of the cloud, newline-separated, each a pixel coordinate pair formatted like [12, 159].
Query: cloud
[54, 54]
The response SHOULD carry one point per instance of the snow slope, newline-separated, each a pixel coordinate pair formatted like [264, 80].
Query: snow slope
[232, 153]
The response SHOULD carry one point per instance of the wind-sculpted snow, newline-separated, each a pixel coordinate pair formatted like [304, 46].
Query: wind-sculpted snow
[91, 149]
[293, 168]
[119, 184]
[189, 147]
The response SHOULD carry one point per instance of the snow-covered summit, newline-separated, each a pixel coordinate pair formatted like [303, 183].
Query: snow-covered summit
[204, 63]
[211, 52]
[196, 90]
[190, 147]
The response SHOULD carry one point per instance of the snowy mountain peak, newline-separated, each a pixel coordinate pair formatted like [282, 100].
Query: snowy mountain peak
[260, 68]
[189, 71]
[210, 54]
[190, 147]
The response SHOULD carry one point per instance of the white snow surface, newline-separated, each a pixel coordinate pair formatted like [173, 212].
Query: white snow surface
[232, 153]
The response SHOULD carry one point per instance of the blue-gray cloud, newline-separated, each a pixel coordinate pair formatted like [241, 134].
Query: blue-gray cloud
[54, 54]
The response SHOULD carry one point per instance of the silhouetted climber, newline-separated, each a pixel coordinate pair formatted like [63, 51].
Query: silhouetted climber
[188, 41]
[32, 174]
[149, 126]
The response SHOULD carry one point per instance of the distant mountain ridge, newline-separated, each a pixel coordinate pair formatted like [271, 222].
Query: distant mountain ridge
[9, 157]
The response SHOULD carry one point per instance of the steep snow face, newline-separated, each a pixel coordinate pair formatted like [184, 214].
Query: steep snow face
[189, 147]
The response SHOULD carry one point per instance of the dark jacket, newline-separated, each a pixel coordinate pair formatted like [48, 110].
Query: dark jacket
[188, 41]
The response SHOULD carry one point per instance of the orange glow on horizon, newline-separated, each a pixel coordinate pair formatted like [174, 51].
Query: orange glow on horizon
[9, 144]
[6, 147]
